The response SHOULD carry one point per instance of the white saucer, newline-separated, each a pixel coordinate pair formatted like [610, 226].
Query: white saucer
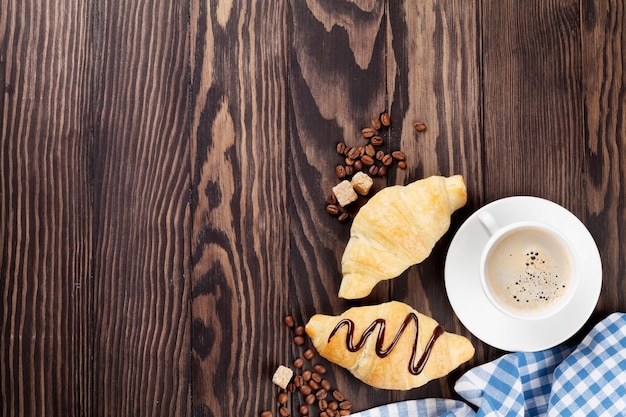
[485, 321]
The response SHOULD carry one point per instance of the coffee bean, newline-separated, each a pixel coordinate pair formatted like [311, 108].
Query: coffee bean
[346, 150]
[324, 414]
[298, 381]
[283, 397]
[348, 161]
[340, 171]
[306, 375]
[380, 155]
[326, 384]
[376, 124]
[290, 321]
[338, 395]
[319, 368]
[322, 404]
[354, 153]
[299, 331]
[334, 405]
[283, 411]
[344, 412]
[332, 209]
[398, 155]
[298, 340]
[316, 377]
[420, 126]
[305, 390]
[358, 165]
[308, 354]
[368, 132]
[382, 171]
[345, 405]
[267, 413]
[321, 394]
[341, 148]
[310, 399]
[291, 387]
[298, 363]
[385, 119]
[343, 217]
[402, 164]
[350, 169]
[373, 171]
[331, 199]
[387, 160]
[304, 410]
[376, 140]
[367, 160]
[370, 150]
[314, 385]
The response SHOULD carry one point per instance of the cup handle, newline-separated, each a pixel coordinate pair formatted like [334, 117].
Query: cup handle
[488, 222]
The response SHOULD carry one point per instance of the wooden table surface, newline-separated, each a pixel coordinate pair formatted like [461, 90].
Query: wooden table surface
[164, 168]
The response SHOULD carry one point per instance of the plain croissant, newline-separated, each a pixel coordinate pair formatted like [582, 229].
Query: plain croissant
[389, 346]
[397, 228]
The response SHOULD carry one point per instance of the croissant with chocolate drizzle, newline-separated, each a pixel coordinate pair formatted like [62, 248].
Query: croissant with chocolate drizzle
[397, 228]
[389, 346]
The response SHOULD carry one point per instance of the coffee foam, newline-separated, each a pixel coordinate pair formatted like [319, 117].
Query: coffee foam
[528, 270]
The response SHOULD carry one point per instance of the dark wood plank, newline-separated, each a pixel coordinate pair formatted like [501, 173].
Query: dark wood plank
[533, 111]
[141, 179]
[45, 211]
[240, 244]
[604, 78]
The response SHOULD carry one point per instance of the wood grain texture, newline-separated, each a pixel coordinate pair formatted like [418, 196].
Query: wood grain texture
[140, 173]
[239, 203]
[604, 100]
[45, 210]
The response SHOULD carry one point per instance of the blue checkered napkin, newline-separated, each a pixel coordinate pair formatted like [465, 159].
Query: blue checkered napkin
[517, 384]
[592, 380]
[431, 407]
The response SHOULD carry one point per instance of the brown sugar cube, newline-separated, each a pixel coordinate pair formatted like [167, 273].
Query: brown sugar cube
[345, 193]
[362, 183]
[282, 376]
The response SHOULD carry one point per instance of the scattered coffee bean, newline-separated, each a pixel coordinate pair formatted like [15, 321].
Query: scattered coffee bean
[291, 387]
[283, 397]
[306, 375]
[367, 160]
[398, 155]
[298, 363]
[373, 171]
[322, 404]
[305, 390]
[314, 385]
[333, 405]
[319, 368]
[283, 411]
[345, 405]
[298, 340]
[331, 199]
[370, 150]
[299, 331]
[304, 410]
[298, 381]
[309, 354]
[348, 161]
[402, 165]
[382, 171]
[343, 217]
[341, 148]
[324, 414]
[332, 209]
[321, 394]
[376, 140]
[368, 132]
[380, 155]
[290, 321]
[350, 169]
[385, 119]
[338, 395]
[387, 160]
[357, 166]
[267, 413]
[326, 384]
[316, 377]
[354, 154]
[340, 171]
[420, 126]
[376, 124]
[345, 412]
[310, 399]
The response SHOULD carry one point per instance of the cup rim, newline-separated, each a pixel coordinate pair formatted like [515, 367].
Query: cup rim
[548, 311]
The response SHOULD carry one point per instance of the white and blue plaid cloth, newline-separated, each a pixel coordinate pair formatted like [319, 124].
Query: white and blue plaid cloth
[584, 380]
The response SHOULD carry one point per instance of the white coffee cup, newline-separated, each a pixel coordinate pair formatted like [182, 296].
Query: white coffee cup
[528, 270]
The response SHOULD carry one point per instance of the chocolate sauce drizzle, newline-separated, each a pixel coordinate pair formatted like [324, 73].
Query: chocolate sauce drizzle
[414, 368]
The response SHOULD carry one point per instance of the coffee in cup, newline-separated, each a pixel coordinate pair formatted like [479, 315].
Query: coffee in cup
[528, 269]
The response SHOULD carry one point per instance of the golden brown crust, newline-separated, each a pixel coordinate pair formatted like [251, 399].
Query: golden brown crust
[391, 372]
[397, 228]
